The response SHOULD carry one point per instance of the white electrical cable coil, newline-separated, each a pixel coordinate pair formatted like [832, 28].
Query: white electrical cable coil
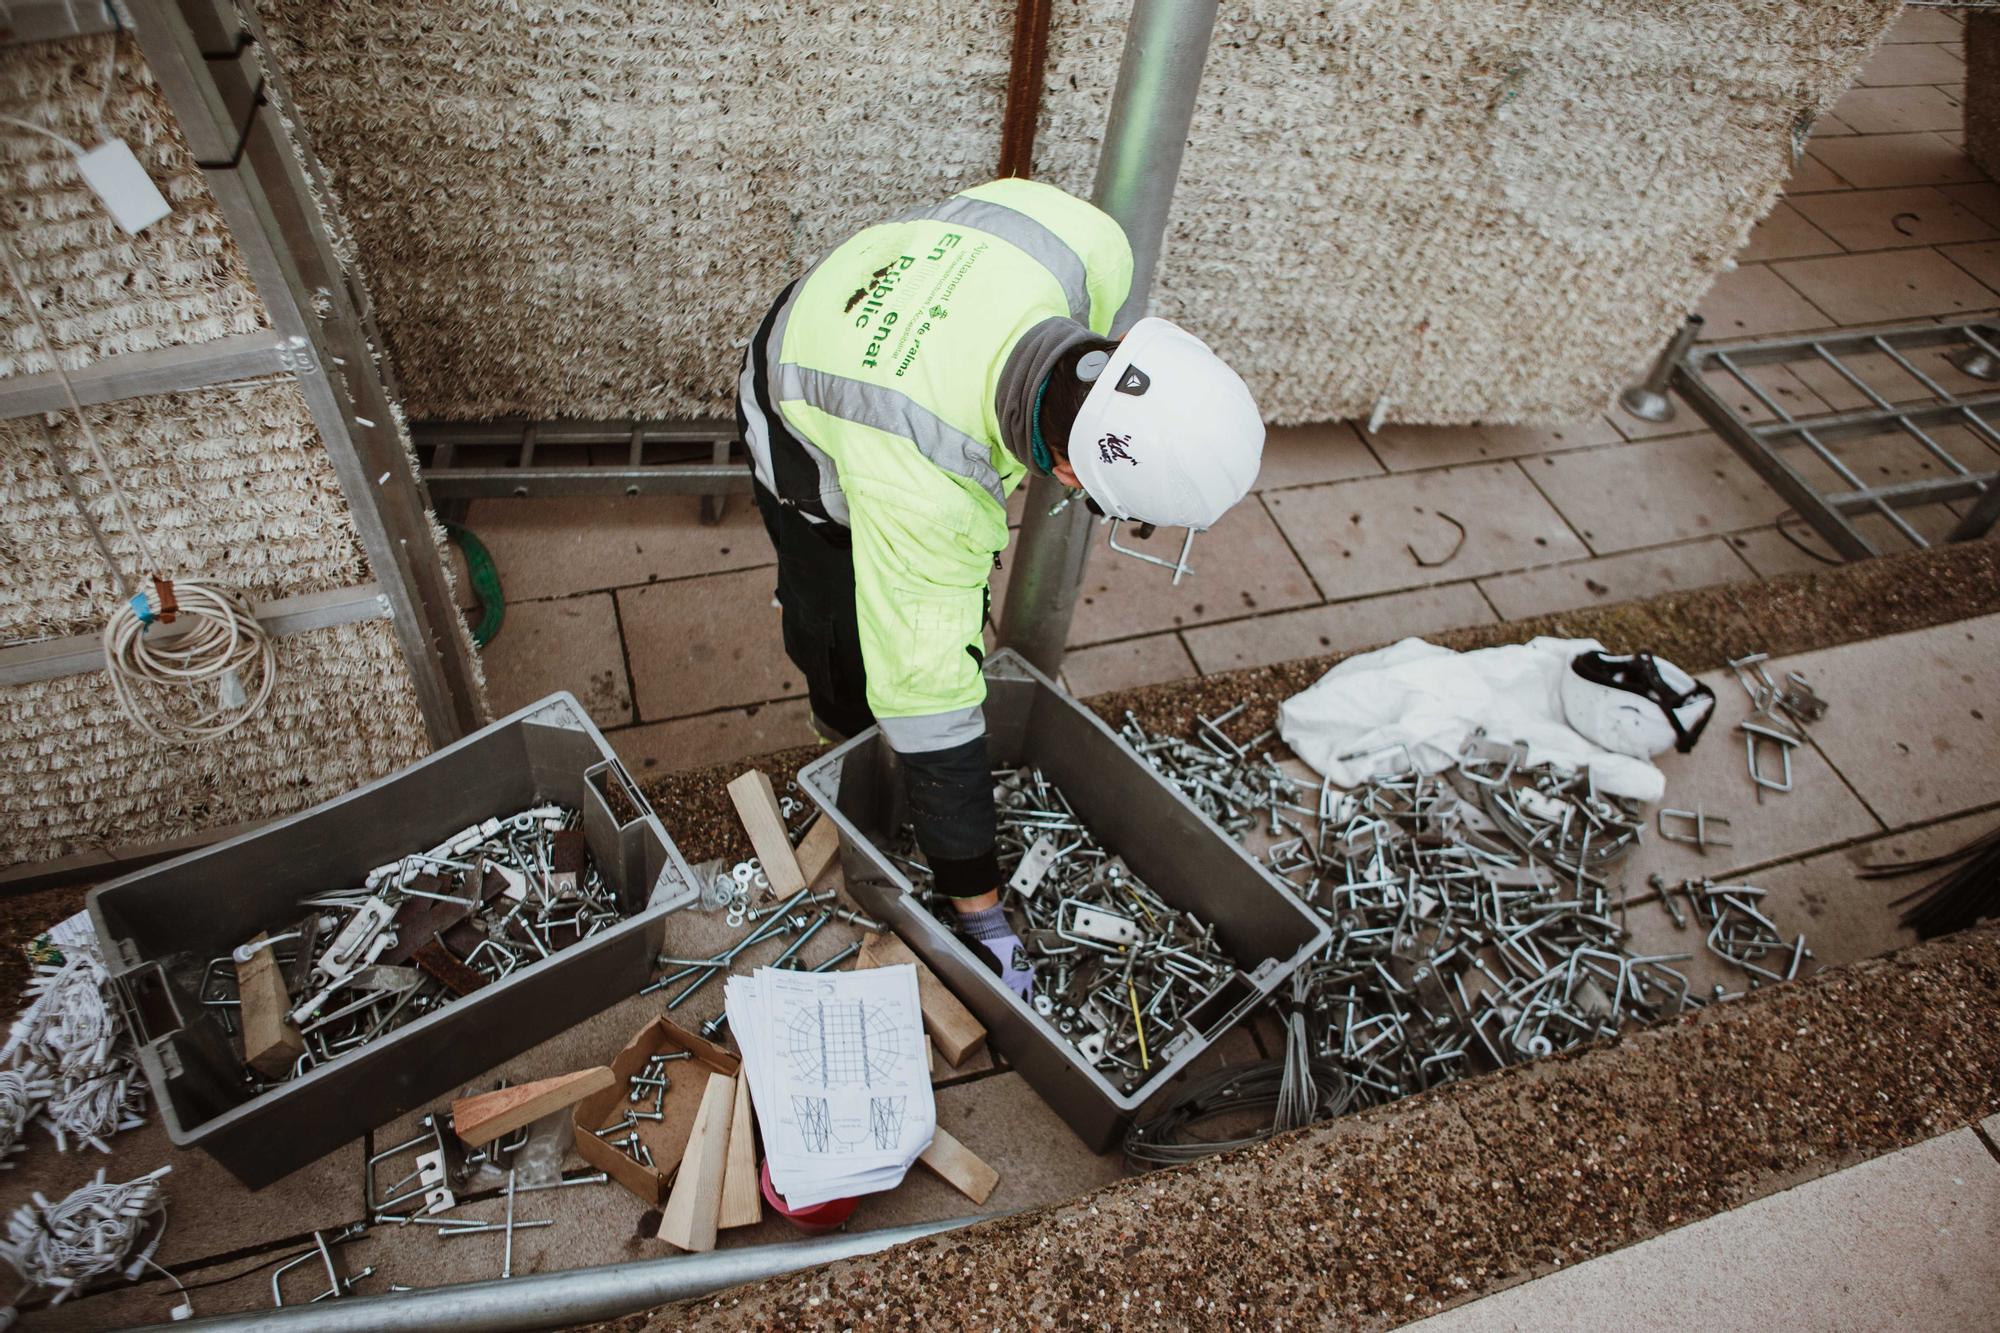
[218, 641]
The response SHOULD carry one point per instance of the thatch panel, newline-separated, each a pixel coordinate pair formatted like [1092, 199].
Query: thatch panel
[103, 292]
[76, 775]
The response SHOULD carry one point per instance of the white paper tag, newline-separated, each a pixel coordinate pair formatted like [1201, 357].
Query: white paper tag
[129, 194]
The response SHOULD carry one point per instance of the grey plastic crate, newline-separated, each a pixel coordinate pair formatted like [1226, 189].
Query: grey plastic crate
[160, 927]
[1182, 856]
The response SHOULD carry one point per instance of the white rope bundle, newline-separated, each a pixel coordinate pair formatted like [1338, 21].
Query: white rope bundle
[22, 1091]
[223, 650]
[70, 1036]
[92, 1231]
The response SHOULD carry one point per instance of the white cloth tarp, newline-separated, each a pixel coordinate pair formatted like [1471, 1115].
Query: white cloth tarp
[1356, 720]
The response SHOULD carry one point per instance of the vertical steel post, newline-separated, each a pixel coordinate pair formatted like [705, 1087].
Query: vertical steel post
[1166, 44]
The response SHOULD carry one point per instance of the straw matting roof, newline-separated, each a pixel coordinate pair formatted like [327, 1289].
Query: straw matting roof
[229, 484]
[232, 484]
[103, 292]
[75, 775]
[1476, 210]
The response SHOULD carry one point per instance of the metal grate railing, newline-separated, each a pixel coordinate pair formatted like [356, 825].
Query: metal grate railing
[1874, 436]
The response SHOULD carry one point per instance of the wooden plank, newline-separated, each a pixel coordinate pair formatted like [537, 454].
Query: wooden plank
[696, 1204]
[271, 1042]
[951, 1025]
[742, 1197]
[757, 806]
[818, 850]
[494, 1115]
[959, 1167]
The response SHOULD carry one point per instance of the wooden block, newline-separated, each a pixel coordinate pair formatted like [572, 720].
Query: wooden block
[495, 1115]
[742, 1196]
[951, 1025]
[271, 1043]
[818, 850]
[757, 807]
[696, 1203]
[959, 1167]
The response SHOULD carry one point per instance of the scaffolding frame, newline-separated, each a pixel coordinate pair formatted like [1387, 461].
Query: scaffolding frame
[205, 57]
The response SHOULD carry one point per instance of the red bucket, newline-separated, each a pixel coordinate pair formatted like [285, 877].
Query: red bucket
[820, 1217]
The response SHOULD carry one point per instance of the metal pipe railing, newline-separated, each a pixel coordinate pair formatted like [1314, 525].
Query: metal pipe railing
[559, 1300]
[1166, 44]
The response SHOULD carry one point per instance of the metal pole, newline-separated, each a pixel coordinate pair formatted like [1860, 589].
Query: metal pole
[1649, 400]
[560, 1300]
[1166, 44]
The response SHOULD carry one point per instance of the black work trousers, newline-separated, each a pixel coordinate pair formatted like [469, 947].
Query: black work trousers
[816, 592]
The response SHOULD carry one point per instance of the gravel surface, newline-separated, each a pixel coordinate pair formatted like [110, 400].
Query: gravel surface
[1382, 1217]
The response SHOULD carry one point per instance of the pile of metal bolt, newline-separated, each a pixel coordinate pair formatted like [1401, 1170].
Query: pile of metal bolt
[1477, 924]
[651, 1081]
[1779, 715]
[798, 918]
[1116, 967]
[443, 1169]
[424, 930]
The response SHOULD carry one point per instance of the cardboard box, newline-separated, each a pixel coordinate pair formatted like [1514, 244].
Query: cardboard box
[666, 1139]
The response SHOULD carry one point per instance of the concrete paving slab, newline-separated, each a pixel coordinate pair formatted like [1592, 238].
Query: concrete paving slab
[1910, 1240]
[1753, 302]
[1119, 666]
[1812, 173]
[1979, 258]
[1914, 726]
[1844, 918]
[1307, 455]
[697, 645]
[1770, 552]
[1892, 219]
[1904, 63]
[1362, 537]
[714, 738]
[1785, 234]
[1655, 492]
[1980, 196]
[1616, 578]
[1874, 161]
[1365, 623]
[1818, 812]
[1925, 25]
[570, 644]
[1406, 448]
[552, 548]
[1241, 566]
[1864, 289]
[1897, 110]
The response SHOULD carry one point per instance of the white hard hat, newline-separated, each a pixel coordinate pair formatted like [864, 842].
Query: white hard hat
[1637, 705]
[1169, 434]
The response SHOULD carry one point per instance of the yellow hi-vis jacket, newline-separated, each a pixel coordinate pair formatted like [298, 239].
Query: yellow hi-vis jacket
[886, 362]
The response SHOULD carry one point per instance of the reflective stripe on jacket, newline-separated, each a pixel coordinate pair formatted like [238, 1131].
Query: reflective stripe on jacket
[885, 362]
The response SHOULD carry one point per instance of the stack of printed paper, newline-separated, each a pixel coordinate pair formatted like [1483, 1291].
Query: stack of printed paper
[839, 1075]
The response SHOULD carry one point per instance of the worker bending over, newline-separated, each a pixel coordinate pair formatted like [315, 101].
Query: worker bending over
[892, 400]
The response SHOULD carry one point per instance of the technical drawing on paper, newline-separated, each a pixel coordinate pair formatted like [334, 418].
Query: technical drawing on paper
[839, 1043]
[885, 1120]
[815, 1121]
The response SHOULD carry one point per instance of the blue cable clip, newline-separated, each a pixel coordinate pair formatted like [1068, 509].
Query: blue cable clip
[143, 609]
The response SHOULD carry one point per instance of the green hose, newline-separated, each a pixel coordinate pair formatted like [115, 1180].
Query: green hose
[485, 582]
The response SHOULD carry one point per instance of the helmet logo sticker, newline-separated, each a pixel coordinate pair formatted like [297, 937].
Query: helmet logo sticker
[1134, 381]
[1112, 448]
